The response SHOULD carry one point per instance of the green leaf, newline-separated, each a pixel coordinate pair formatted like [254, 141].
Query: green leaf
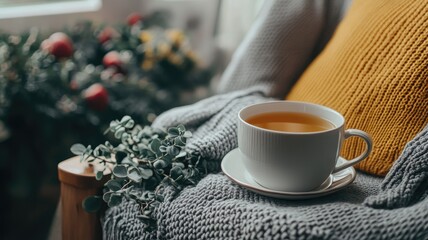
[144, 217]
[114, 200]
[92, 204]
[160, 198]
[180, 141]
[179, 178]
[121, 147]
[120, 171]
[148, 195]
[147, 213]
[99, 175]
[112, 127]
[105, 152]
[78, 149]
[158, 131]
[96, 152]
[113, 185]
[181, 154]
[134, 194]
[159, 164]
[108, 144]
[134, 175]
[130, 124]
[125, 119]
[173, 131]
[142, 146]
[135, 148]
[172, 150]
[162, 148]
[150, 154]
[120, 155]
[103, 148]
[140, 134]
[187, 134]
[114, 123]
[107, 155]
[106, 196]
[124, 138]
[176, 172]
[119, 132]
[178, 164]
[88, 150]
[155, 145]
[146, 173]
[128, 161]
[145, 141]
[181, 128]
[135, 138]
[168, 158]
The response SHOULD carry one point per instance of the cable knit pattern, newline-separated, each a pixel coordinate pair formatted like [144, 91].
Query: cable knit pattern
[218, 209]
[408, 180]
[283, 40]
[374, 71]
[395, 207]
[214, 134]
[281, 43]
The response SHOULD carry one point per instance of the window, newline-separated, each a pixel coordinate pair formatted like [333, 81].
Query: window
[25, 8]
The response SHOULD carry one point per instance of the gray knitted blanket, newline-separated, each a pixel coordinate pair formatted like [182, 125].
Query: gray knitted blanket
[394, 207]
[371, 208]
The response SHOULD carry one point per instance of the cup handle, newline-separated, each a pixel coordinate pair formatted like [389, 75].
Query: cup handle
[366, 137]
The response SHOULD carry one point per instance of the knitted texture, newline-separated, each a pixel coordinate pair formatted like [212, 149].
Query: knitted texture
[213, 122]
[370, 208]
[281, 43]
[218, 209]
[375, 72]
[395, 190]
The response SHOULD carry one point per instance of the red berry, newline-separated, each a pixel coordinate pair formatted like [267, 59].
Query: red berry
[112, 59]
[46, 45]
[74, 85]
[96, 97]
[59, 45]
[133, 18]
[106, 34]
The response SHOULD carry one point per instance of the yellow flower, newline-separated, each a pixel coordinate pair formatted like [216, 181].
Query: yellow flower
[192, 56]
[176, 36]
[147, 64]
[145, 36]
[148, 52]
[175, 59]
[163, 50]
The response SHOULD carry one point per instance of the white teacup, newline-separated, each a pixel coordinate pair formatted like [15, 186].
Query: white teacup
[294, 161]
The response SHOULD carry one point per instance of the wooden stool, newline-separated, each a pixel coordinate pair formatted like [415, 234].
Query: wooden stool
[77, 183]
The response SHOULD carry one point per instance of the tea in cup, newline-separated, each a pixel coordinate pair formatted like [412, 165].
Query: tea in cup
[293, 146]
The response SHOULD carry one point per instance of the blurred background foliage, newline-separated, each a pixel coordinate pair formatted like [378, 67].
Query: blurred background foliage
[61, 88]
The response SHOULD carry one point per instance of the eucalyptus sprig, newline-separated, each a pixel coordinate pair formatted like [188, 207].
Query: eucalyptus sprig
[144, 161]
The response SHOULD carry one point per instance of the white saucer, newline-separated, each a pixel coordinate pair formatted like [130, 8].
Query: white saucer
[234, 168]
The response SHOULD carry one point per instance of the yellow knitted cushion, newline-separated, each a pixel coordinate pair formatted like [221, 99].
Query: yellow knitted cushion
[374, 71]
